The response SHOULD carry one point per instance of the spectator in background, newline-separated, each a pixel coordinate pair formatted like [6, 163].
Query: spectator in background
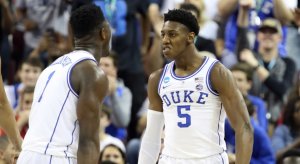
[260, 10]
[36, 16]
[130, 67]
[202, 43]
[29, 72]
[7, 121]
[293, 33]
[106, 139]
[273, 74]
[22, 114]
[286, 137]
[112, 153]
[243, 74]
[262, 149]
[119, 98]
[6, 27]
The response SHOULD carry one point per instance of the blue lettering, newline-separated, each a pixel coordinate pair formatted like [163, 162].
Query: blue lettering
[187, 95]
[166, 100]
[178, 99]
[202, 98]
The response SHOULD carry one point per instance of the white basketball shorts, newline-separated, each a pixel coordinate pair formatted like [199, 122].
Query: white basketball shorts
[30, 157]
[221, 158]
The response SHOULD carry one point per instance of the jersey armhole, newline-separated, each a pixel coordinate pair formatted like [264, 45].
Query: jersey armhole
[161, 78]
[208, 81]
[70, 73]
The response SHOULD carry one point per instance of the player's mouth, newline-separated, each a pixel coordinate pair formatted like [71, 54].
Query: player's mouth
[166, 49]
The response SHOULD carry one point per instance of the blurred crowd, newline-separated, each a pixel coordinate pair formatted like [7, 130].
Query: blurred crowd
[258, 40]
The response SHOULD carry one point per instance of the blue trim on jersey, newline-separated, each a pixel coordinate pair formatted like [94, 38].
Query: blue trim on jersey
[70, 71]
[218, 132]
[188, 76]
[69, 160]
[72, 138]
[222, 157]
[208, 83]
[162, 77]
[219, 125]
[50, 159]
[57, 121]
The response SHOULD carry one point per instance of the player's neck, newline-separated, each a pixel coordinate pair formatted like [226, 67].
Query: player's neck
[90, 47]
[187, 58]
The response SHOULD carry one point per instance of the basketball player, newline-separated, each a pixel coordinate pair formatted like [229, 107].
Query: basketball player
[64, 118]
[191, 97]
[7, 118]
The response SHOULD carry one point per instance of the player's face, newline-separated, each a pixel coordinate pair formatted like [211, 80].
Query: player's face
[27, 101]
[112, 154]
[242, 82]
[29, 74]
[107, 65]
[174, 39]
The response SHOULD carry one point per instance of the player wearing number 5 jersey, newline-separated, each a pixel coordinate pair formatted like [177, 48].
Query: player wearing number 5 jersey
[191, 97]
[64, 119]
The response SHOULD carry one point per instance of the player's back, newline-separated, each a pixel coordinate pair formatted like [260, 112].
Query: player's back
[53, 124]
[194, 118]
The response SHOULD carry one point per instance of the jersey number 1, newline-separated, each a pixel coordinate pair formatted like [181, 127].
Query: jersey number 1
[49, 78]
[187, 117]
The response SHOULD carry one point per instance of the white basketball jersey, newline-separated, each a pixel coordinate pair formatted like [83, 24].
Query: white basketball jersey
[194, 115]
[53, 124]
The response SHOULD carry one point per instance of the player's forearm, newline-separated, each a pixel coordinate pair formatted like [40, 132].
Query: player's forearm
[8, 123]
[244, 144]
[88, 152]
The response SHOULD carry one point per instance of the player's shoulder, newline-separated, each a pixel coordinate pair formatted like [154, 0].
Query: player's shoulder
[155, 76]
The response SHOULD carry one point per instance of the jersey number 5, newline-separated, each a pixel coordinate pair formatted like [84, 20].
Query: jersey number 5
[187, 117]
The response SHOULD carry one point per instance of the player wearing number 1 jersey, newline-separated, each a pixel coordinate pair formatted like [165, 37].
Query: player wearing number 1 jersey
[64, 119]
[191, 97]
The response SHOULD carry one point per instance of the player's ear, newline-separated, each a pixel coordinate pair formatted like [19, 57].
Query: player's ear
[105, 31]
[191, 37]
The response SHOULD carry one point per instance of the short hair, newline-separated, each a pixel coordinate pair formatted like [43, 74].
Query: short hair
[34, 62]
[190, 7]
[85, 20]
[244, 67]
[184, 17]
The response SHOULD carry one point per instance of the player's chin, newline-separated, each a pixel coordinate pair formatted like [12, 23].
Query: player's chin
[167, 55]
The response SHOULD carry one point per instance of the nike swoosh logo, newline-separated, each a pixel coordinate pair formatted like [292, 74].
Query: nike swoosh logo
[166, 86]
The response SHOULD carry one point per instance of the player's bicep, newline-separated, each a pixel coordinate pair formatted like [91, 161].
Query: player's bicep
[155, 102]
[92, 89]
[232, 99]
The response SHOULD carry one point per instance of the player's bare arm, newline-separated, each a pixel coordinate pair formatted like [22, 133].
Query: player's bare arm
[7, 119]
[150, 145]
[236, 110]
[155, 102]
[91, 85]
